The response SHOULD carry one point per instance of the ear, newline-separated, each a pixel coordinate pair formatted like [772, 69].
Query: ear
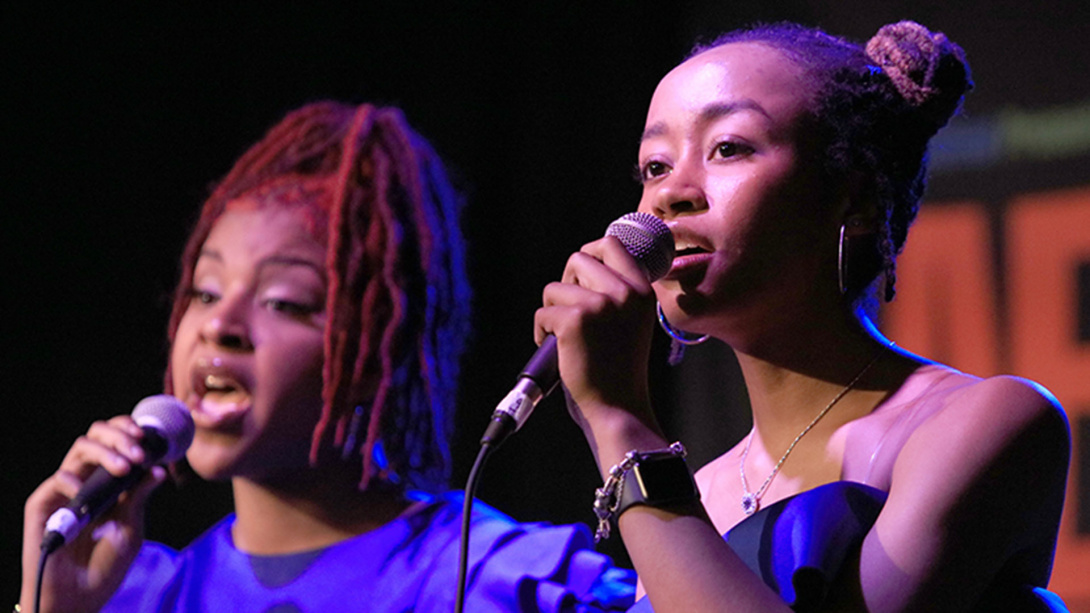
[859, 211]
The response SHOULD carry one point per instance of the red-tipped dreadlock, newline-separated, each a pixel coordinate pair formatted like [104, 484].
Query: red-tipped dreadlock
[398, 297]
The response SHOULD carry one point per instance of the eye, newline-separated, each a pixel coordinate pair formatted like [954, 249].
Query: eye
[202, 296]
[652, 169]
[728, 149]
[288, 307]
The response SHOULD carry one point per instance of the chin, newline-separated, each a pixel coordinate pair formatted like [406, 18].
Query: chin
[211, 463]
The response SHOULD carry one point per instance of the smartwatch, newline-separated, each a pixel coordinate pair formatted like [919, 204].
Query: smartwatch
[657, 479]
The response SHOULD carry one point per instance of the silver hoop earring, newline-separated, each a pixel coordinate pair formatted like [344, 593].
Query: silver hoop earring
[841, 264]
[678, 340]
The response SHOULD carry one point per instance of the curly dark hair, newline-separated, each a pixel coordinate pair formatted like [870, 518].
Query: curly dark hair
[377, 195]
[876, 107]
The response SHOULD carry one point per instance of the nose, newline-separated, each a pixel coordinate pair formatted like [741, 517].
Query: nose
[679, 194]
[227, 324]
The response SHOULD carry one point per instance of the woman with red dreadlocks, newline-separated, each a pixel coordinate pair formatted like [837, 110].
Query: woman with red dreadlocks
[315, 338]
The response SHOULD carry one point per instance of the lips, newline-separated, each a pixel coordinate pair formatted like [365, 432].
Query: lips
[220, 393]
[692, 252]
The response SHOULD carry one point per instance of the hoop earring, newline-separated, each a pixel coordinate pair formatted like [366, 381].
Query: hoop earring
[841, 264]
[678, 339]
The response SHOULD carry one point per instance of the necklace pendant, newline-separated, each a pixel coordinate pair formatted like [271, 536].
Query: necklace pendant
[750, 503]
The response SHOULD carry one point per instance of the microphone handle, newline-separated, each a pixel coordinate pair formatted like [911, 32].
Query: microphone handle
[537, 380]
[102, 489]
[543, 368]
[100, 492]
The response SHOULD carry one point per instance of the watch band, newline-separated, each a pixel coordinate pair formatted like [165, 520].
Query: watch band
[657, 479]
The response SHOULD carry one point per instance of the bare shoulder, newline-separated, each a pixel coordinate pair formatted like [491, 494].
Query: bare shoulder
[985, 445]
[1021, 397]
[998, 409]
[976, 421]
[980, 477]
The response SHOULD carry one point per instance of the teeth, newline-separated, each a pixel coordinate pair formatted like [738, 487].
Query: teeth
[214, 382]
[684, 246]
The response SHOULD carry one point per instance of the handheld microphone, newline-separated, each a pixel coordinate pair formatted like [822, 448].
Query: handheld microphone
[168, 432]
[649, 241]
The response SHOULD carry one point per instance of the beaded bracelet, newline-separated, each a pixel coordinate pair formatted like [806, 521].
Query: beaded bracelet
[608, 497]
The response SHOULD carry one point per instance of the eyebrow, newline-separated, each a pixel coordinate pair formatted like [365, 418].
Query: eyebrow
[710, 113]
[272, 260]
[289, 260]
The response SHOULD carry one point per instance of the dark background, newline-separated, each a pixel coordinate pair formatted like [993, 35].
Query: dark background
[116, 118]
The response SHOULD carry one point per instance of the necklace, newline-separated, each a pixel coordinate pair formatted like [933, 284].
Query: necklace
[752, 501]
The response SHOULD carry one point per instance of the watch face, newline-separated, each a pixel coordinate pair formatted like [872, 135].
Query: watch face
[665, 479]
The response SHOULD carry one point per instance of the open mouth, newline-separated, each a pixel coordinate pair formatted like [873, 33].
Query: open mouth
[684, 246]
[693, 250]
[220, 396]
[692, 254]
[222, 389]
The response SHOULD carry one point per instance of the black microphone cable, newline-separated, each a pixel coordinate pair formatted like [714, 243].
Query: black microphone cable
[467, 510]
[651, 243]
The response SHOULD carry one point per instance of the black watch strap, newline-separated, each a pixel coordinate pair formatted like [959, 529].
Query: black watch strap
[658, 480]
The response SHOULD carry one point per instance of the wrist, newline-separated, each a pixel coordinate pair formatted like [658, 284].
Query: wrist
[615, 432]
[658, 478]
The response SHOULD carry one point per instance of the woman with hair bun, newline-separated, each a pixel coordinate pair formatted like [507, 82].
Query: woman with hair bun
[789, 164]
[316, 334]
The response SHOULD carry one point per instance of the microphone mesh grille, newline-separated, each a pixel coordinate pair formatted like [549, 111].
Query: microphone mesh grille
[648, 239]
[171, 418]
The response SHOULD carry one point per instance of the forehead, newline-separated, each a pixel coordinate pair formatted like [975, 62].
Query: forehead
[258, 232]
[730, 74]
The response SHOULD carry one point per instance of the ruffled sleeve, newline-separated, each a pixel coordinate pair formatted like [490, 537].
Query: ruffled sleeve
[532, 568]
[556, 566]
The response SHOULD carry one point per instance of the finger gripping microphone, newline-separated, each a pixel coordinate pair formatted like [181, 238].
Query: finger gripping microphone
[168, 431]
[649, 241]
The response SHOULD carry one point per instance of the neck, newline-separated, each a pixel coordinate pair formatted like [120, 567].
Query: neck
[310, 511]
[791, 378]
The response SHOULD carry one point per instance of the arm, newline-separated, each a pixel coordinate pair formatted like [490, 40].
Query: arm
[82, 575]
[602, 314]
[976, 496]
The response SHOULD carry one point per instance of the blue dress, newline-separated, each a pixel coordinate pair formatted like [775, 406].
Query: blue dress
[798, 546]
[409, 564]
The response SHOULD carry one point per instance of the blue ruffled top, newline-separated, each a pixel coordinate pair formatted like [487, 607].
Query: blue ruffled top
[409, 564]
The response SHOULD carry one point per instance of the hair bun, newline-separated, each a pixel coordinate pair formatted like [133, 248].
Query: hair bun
[928, 70]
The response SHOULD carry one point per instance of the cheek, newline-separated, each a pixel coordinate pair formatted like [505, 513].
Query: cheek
[306, 358]
[793, 215]
[294, 373]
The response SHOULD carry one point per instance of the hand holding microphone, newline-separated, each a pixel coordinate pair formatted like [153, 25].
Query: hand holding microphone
[649, 241]
[167, 433]
[159, 430]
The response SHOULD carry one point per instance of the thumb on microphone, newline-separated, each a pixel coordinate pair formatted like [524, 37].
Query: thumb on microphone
[650, 244]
